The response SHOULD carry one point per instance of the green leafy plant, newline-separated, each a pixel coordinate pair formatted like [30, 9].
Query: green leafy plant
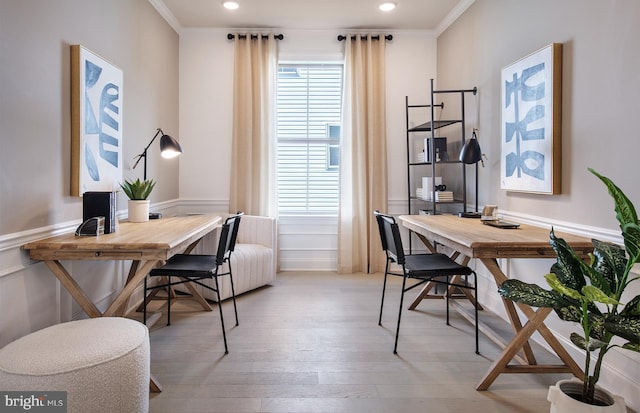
[589, 293]
[138, 190]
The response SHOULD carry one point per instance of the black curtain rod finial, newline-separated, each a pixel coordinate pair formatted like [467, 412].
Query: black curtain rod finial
[342, 37]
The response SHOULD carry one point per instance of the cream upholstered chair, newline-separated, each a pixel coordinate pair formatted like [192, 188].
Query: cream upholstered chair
[254, 258]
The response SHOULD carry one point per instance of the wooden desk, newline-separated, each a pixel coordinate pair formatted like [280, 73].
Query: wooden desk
[472, 239]
[145, 244]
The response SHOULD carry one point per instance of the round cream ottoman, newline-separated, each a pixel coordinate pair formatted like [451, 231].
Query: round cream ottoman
[102, 364]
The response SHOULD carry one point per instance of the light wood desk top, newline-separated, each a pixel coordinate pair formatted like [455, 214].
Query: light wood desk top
[155, 239]
[476, 240]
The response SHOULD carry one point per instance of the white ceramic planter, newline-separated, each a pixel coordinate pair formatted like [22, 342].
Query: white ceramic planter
[138, 210]
[561, 402]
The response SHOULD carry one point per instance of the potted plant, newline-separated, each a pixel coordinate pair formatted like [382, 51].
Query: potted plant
[589, 293]
[138, 192]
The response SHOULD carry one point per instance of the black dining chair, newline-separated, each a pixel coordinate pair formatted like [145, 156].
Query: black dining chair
[193, 268]
[422, 268]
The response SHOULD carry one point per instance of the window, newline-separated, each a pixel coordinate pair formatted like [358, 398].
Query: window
[308, 129]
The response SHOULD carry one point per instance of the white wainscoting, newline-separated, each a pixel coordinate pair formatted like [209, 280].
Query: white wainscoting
[308, 243]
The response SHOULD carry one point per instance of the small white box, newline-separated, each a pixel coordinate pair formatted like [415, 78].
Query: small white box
[428, 184]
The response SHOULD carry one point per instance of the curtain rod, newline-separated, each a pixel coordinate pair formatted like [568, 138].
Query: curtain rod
[232, 36]
[374, 37]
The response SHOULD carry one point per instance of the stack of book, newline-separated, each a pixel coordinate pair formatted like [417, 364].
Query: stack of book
[421, 156]
[441, 196]
[444, 196]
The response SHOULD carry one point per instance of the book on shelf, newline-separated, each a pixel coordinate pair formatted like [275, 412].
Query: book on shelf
[441, 196]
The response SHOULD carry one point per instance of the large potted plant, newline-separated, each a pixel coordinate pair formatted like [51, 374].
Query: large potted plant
[138, 192]
[589, 293]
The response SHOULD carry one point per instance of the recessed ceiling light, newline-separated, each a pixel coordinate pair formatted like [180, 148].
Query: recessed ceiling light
[387, 6]
[230, 5]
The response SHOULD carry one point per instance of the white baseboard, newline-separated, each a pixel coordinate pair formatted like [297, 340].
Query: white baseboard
[292, 264]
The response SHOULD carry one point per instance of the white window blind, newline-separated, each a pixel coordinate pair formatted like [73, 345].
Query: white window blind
[309, 107]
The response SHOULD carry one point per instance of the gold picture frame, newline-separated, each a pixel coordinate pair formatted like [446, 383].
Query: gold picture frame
[96, 123]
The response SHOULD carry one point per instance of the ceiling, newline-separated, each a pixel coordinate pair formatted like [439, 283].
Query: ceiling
[433, 15]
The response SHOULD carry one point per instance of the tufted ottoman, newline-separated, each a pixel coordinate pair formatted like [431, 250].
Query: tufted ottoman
[102, 364]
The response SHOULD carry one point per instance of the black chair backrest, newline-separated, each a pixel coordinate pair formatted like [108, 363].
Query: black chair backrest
[390, 237]
[228, 236]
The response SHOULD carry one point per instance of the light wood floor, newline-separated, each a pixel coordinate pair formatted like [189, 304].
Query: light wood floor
[311, 343]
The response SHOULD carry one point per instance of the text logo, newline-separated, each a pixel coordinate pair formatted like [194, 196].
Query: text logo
[33, 401]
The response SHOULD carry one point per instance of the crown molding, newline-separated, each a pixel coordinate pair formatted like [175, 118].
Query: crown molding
[453, 15]
[167, 15]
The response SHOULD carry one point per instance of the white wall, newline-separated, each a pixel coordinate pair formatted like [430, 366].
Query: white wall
[206, 114]
[206, 80]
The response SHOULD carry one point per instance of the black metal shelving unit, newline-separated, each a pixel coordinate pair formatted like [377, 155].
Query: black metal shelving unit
[430, 159]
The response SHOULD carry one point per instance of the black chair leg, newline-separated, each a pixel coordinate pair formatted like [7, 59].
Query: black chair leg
[224, 334]
[446, 298]
[233, 295]
[475, 294]
[395, 345]
[384, 288]
[169, 301]
[144, 302]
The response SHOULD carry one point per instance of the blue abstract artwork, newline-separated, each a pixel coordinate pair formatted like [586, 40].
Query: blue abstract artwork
[96, 123]
[530, 128]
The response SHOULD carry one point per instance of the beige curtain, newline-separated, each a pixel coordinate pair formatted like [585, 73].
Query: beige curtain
[363, 165]
[253, 151]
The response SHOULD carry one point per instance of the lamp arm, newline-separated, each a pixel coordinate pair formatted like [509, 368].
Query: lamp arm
[153, 139]
[144, 153]
[139, 157]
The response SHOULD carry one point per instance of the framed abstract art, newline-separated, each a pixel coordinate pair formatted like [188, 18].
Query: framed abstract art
[531, 109]
[96, 123]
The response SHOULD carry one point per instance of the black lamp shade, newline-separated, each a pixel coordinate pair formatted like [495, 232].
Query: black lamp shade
[471, 152]
[169, 147]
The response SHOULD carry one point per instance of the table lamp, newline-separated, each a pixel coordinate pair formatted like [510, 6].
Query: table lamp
[471, 154]
[169, 148]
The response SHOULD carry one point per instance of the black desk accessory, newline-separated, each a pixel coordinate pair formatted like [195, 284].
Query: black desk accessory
[91, 227]
[501, 224]
[100, 204]
[469, 214]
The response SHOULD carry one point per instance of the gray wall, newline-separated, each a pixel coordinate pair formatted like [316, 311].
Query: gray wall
[35, 123]
[601, 88]
[35, 128]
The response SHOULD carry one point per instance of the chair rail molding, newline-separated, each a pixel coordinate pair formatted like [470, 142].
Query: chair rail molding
[13, 258]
